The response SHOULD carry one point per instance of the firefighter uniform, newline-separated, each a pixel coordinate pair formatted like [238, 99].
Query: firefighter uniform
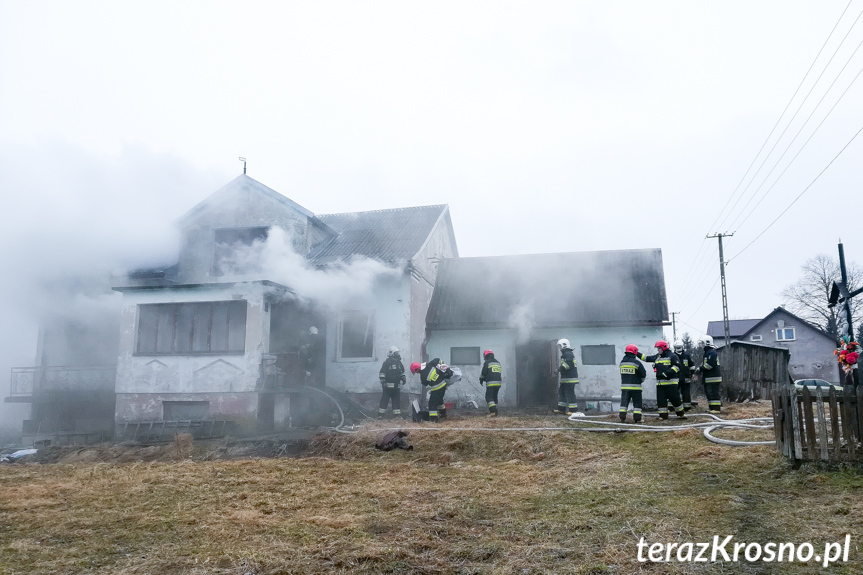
[667, 367]
[392, 376]
[686, 367]
[492, 377]
[711, 375]
[566, 402]
[434, 375]
[632, 374]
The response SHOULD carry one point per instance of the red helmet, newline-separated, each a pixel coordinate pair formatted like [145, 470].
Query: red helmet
[661, 345]
[487, 352]
[415, 367]
[631, 348]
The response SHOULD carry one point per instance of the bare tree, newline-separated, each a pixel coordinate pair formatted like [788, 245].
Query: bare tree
[807, 297]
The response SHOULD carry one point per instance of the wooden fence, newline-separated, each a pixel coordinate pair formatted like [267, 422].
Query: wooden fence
[819, 425]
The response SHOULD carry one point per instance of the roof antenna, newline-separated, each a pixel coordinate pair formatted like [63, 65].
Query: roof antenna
[244, 165]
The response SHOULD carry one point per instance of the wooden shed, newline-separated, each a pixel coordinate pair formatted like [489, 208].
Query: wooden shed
[751, 370]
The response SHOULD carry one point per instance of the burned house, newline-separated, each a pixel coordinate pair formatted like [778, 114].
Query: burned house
[519, 306]
[224, 334]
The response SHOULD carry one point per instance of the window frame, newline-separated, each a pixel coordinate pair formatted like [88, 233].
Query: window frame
[371, 319]
[605, 346]
[756, 337]
[464, 349]
[783, 330]
[165, 318]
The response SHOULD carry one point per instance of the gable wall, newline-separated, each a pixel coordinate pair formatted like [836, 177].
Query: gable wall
[811, 352]
[242, 208]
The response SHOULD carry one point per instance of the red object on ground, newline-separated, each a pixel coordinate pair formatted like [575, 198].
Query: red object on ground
[449, 404]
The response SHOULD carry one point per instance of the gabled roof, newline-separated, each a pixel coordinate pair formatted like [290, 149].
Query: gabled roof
[243, 184]
[608, 288]
[736, 327]
[782, 311]
[393, 235]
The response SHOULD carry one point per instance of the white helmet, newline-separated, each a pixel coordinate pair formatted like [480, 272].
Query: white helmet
[393, 351]
[313, 330]
[706, 341]
[678, 346]
[563, 344]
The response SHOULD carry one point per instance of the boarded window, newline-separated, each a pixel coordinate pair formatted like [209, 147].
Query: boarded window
[357, 335]
[192, 328]
[185, 410]
[464, 356]
[231, 254]
[598, 355]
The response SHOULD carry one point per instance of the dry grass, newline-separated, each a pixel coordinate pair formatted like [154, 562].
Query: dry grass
[471, 501]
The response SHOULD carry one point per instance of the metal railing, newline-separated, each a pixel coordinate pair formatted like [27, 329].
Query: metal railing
[28, 381]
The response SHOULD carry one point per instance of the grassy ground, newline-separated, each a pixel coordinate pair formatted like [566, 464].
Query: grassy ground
[470, 501]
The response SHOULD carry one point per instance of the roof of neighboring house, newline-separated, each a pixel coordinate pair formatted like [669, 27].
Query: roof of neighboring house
[781, 311]
[393, 235]
[736, 327]
[607, 288]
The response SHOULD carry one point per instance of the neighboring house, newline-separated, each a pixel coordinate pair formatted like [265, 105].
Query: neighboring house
[519, 306]
[736, 329]
[811, 348]
[217, 337]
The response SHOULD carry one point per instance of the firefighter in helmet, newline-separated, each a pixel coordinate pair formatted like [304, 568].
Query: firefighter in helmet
[566, 402]
[433, 374]
[667, 366]
[392, 376]
[492, 376]
[711, 374]
[632, 374]
[686, 369]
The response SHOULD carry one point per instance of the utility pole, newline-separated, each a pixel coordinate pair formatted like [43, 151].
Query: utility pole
[674, 325]
[845, 284]
[724, 294]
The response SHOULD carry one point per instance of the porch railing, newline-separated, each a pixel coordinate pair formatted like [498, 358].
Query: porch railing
[29, 381]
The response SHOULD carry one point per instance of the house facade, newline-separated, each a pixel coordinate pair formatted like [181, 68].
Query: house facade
[519, 306]
[811, 349]
[220, 335]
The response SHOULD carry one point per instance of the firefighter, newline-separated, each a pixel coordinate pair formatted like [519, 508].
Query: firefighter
[492, 377]
[392, 377]
[686, 369]
[667, 367]
[566, 403]
[433, 374]
[632, 374]
[711, 374]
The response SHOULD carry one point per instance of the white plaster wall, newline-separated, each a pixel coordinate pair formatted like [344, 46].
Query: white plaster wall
[501, 342]
[594, 380]
[392, 314]
[165, 375]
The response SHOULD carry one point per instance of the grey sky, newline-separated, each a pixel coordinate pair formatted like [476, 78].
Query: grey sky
[546, 126]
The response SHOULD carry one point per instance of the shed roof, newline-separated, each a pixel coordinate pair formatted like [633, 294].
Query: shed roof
[393, 235]
[736, 327]
[605, 288]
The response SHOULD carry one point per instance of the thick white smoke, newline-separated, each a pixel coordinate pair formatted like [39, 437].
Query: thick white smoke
[276, 260]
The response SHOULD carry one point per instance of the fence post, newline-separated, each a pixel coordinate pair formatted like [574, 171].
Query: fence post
[822, 423]
[836, 440]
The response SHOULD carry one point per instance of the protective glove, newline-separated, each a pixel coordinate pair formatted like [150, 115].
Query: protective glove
[481, 381]
[403, 379]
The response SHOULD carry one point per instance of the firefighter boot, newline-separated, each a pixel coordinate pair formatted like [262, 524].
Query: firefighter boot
[622, 416]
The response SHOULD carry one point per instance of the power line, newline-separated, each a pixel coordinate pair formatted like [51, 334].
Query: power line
[803, 146]
[799, 195]
[796, 91]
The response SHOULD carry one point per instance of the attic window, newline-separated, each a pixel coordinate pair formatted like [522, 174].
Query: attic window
[755, 338]
[785, 334]
[356, 335]
[230, 252]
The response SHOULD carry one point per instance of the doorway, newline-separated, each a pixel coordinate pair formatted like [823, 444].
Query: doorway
[536, 377]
